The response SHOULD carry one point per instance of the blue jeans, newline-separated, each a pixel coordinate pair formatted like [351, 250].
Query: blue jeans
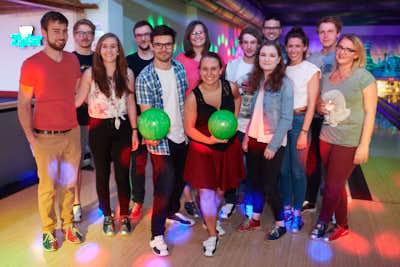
[293, 180]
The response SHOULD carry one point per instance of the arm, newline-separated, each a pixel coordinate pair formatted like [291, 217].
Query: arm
[312, 95]
[83, 87]
[189, 121]
[236, 98]
[132, 113]
[370, 99]
[25, 96]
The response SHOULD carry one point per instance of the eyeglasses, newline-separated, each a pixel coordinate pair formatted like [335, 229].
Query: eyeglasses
[197, 33]
[81, 34]
[167, 46]
[272, 28]
[346, 50]
[141, 35]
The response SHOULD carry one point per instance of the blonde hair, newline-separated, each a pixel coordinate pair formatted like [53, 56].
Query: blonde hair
[361, 61]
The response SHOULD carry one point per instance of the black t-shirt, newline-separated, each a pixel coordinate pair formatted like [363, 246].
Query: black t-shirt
[82, 112]
[136, 64]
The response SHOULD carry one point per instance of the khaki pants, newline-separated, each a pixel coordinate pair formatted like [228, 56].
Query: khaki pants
[57, 158]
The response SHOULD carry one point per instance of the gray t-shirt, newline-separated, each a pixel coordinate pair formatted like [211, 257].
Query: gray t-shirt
[343, 125]
[325, 62]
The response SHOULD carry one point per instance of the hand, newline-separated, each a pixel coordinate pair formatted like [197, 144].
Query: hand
[151, 142]
[213, 140]
[302, 141]
[361, 155]
[321, 107]
[33, 140]
[135, 140]
[245, 143]
[269, 154]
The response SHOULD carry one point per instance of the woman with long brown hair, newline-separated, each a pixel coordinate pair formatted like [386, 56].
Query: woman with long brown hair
[265, 138]
[109, 89]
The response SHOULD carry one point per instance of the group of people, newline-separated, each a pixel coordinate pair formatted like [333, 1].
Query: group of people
[291, 110]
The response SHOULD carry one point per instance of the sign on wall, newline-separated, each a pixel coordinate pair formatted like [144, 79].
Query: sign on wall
[25, 37]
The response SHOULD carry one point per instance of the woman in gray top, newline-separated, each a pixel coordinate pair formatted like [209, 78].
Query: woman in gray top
[348, 102]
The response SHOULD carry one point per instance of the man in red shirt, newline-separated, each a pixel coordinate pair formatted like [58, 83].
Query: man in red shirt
[53, 133]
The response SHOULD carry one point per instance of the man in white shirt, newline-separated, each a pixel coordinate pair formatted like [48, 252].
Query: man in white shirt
[238, 71]
[328, 30]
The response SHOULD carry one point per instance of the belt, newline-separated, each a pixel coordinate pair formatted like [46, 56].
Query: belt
[51, 132]
[300, 111]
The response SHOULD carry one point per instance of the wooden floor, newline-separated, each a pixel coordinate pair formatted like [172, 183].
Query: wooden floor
[374, 239]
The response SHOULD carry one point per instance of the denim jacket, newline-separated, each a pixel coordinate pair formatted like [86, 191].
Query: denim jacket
[277, 112]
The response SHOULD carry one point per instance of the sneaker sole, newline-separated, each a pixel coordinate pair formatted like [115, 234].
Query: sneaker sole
[213, 252]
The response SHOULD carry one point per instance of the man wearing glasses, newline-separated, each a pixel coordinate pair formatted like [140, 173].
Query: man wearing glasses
[136, 62]
[162, 85]
[328, 30]
[84, 31]
[272, 30]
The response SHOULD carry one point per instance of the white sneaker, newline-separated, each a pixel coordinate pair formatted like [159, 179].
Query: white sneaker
[220, 230]
[77, 211]
[159, 246]
[210, 246]
[227, 210]
[180, 218]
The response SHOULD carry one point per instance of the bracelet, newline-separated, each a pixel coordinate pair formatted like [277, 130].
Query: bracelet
[134, 129]
[306, 131]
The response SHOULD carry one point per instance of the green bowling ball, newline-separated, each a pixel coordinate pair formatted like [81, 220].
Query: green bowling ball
[154, 124]
[222, 124]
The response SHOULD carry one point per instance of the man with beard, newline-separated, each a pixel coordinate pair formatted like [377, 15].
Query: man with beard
[272, 30]
[238, 71]
[83, 35]
[53, 133]
[162, 85]
[137, 61]
[328, 29]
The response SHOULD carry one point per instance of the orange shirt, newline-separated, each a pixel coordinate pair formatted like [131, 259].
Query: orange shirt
[54, 88]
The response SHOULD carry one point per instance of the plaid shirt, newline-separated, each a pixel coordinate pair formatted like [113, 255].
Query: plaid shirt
[149, 92]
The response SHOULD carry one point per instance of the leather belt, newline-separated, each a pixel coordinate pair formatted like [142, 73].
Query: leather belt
[300, 111]
[50, 132]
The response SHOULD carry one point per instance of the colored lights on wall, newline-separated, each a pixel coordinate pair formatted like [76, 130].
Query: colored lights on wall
[25, 37]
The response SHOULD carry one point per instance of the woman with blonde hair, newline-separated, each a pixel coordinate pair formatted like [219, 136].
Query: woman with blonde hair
[344, 140]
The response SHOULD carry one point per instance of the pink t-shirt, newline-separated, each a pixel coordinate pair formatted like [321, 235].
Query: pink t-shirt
[192, 71]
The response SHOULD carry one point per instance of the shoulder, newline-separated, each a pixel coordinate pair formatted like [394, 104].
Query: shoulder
[131, 56]
[178, 65]
[181, 56]
[286, 84]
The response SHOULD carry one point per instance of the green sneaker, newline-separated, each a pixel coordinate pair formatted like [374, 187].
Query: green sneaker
[50, 241]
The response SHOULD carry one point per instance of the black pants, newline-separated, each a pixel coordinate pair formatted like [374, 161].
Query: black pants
[168, 185]
[138, 173]
[314, 163]
[109, 144]
[263, 178]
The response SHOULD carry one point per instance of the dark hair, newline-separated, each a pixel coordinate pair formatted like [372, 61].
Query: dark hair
[52, 16]
[187, 44]
[84, 22]
[163, 30]
[210, 54]
[272, 17]
[141, 23]
[297, 32]
[275, 79]
[253, 32]
[331, 19]
[120, 75]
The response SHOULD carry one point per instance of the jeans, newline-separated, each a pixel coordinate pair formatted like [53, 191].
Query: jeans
[263, 178]
[293, 181]
[168, 185]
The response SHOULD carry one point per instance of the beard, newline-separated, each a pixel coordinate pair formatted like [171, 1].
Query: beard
[56, 47]
[144, 48]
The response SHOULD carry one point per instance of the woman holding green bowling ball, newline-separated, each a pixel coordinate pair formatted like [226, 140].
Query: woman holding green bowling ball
[265, 138]
[212, 165]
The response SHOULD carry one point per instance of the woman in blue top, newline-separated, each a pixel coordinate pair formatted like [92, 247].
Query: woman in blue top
[272, 115]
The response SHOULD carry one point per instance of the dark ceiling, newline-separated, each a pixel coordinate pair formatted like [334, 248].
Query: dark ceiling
[352, 12]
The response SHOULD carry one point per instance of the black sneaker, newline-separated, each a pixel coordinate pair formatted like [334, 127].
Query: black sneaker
[125, 226]
[276, 232]
[318, 231]
[108, 226]
[180, 218]
[191, 209]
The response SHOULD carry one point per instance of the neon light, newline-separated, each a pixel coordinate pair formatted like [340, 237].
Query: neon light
[215, 49]
[219, 41]
[30, 40]
[160, 20]
[233, 51]
[319, 251]
[150, 19]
